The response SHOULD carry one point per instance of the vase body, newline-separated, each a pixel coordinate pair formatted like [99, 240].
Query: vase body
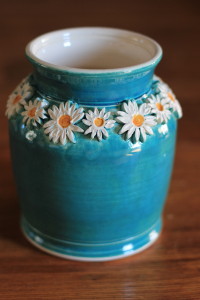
[88, 189]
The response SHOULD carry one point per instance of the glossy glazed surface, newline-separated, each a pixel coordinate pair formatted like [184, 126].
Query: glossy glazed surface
[88, 199]
[94, 50]
[53, 53]
[92, 192]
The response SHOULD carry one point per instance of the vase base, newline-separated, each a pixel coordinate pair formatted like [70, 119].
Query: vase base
[94, 252]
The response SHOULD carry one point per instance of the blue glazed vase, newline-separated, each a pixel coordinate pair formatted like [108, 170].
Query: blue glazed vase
[92, 136]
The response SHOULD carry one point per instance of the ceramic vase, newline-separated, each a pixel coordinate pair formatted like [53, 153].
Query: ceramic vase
[92, 137]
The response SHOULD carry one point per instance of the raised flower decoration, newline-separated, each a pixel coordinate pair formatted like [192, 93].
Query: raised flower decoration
[137, 120]
[34, 112]
[160, 107]
[62, 123]
[27, 89]
[166, 92]
[98, 121]
[17, 99]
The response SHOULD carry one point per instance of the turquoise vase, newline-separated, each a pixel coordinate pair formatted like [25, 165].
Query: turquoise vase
[92, 136]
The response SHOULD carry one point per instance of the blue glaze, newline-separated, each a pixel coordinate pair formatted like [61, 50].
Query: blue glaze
[96, 87]
[99, 89]
[91, 200]
[92, 192]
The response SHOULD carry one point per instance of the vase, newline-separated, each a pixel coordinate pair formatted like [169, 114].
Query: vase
[92, 137]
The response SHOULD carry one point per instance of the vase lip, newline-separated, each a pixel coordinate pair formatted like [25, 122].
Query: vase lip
[125, 46]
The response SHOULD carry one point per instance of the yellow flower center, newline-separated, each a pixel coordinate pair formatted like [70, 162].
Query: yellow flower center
[138, 120]
[99, 122]
[64, 121]
[32, 112]
[159, 106]
[17, 99]
[171, 97]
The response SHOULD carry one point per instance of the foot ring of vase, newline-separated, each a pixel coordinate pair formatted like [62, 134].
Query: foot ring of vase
[99, 252]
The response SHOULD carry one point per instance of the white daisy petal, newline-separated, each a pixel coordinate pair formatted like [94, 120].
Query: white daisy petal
[126, 127]
[148, 129]
[109, 123]
[70, 135]
[55, 110]
[122, 113]
[91, 114]
[49, 129]
[142, 130]
[96, 112]
[77, 118]
[102, 112]
[131, 105]
[52, 114]
[56, 137]
[52, 133]
[130, 132]
[75, 114]
[150, 122]
[36, 103]
[127, 108]
[135, 107]
[80, 110]
[64, 107]
[24, 119]
[107, 115]
[89, 117]
[94, 131]
[76, 128]
[89, 130]
[49, 124]
[73, 109]
[144, 109]
[137, 134]
[179, 109]
[123, 119]
[164, 118]
[99, 135]
[63, 137]
[37, 119]
[105, 132]
[86, 122]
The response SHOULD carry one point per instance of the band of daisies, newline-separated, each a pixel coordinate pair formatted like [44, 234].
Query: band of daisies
[137, 118]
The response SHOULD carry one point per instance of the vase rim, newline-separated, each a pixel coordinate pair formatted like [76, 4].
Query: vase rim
[83, 50]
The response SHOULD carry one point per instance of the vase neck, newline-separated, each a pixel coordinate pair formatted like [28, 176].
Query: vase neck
[93, 89]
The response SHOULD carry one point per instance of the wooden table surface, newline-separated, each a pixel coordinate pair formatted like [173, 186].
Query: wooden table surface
[170, 269]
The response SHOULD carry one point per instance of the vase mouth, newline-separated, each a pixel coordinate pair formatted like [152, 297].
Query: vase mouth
[94, 50]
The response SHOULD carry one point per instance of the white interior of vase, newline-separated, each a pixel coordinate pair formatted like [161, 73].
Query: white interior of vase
[93, 49]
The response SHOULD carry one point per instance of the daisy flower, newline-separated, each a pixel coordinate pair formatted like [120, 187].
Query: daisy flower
[160, 107]
[27, 90]
[156, 79]
[136, 119]
[15, 101]
[61, 126]
[31, 135]
[166, 92]
[162, 87]
[33, 113]
[97, 122]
